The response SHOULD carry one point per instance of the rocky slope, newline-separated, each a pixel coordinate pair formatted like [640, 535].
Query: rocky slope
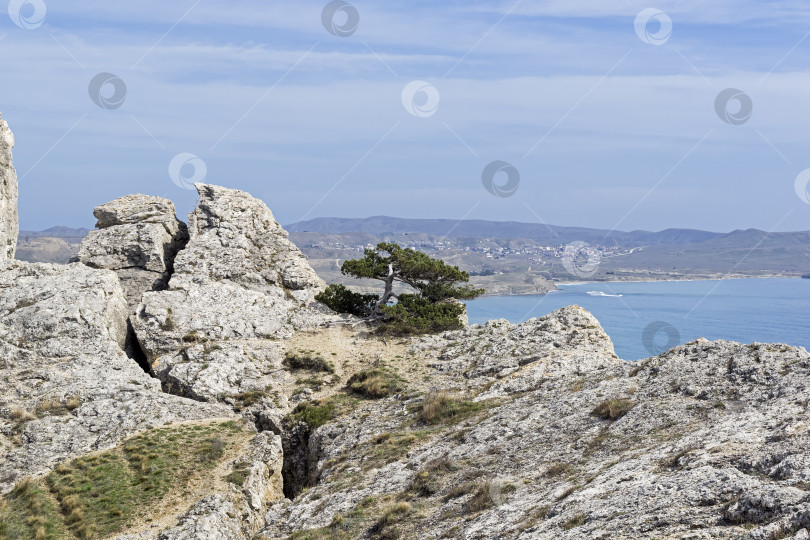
[182, 387]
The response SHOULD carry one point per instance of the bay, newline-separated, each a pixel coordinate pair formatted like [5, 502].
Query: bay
[672, 312]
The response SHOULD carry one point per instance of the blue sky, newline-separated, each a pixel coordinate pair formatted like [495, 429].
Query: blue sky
[605, 129]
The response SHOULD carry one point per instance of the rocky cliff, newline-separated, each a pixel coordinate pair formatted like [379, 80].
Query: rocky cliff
[180, 383]
[8, 194]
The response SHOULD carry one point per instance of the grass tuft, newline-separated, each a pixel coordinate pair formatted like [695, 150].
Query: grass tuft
[375, 383]
[307, 361]
[613, 409]
[441, 407]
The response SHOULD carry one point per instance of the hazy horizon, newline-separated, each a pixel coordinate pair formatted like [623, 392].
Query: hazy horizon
[608, 113]
[183, 218]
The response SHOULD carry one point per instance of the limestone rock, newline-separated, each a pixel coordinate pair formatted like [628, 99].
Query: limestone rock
[135, 209]
[213, 517]
[235, 238]
[706, 441]
[238, 280]
[69, 388]
[211, 371]
[9, 225]
[138, 237]
[515, 358]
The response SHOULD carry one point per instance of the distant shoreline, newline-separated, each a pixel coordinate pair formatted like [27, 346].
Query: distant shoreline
[640, 280]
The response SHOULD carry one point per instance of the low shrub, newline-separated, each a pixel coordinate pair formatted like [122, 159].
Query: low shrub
[314, 414]
[414, 314]
[341, 299]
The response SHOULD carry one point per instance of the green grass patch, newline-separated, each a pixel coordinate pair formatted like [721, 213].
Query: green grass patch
[319, 412]
[246, 399]
[29, 512]
[315, 413]
[238, 477]
[101, 495]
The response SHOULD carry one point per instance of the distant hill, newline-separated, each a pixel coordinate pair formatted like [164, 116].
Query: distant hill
[388, 226]
[56, 232]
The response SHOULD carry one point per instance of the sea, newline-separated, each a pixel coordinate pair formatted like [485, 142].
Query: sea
[644, 319]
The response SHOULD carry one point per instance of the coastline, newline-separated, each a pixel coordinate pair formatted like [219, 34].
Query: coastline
[724, 277]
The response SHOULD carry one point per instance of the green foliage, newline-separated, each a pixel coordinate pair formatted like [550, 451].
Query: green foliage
[431, 309]
[416, 315]
[314, 414]
[342, 300]
[433, 278]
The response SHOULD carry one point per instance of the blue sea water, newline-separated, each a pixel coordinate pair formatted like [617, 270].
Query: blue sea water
[672, 312]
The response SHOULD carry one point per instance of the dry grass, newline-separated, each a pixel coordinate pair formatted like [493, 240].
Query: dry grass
[101, 495]
[559, 469]
[375, 383]
[20, 415]
[309, 361]
[613, 409]
[442, 407]
[575, 521]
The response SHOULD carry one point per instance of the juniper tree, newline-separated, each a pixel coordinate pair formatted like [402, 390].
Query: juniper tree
[436, 284]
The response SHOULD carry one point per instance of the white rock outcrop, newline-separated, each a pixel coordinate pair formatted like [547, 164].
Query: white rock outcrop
[9, 225]
[69, 388]
[238, 283]
[138, 237]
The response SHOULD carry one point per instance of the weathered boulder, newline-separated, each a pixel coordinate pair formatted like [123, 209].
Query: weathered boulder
[238, 282]
[512, 358]
[69, 388]
[236, 239]
[212, 517]
[9, 225]
[138, 237]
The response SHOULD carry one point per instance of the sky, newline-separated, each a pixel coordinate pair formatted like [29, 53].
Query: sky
[590, 113]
